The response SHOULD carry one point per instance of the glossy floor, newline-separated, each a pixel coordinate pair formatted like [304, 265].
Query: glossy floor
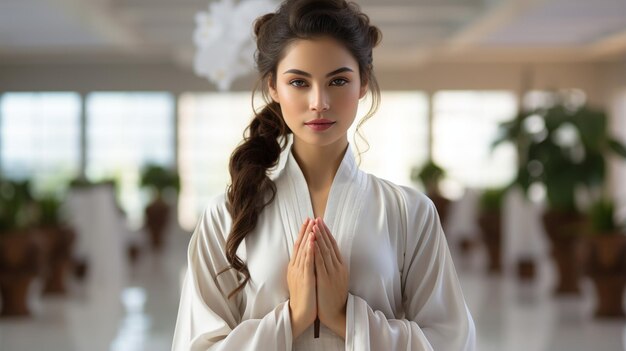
[137, 310]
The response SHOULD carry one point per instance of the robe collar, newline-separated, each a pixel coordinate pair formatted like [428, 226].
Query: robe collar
[343, 207]
[345, 177]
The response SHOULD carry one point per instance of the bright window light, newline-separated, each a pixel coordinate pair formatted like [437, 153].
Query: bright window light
[125, 132]
[40, 138]
[397, 135]
[465, 124]
[211, 125]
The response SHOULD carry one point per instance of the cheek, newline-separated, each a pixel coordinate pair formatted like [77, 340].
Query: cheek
[347, 101]
[291, 106]
[291, 100]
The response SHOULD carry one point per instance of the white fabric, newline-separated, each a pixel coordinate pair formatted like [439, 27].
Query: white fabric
[524, 235]
[101, 238]
[102, 234]
[403, 295]
[462, 222]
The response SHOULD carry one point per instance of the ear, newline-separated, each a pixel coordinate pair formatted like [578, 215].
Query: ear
[272, 89]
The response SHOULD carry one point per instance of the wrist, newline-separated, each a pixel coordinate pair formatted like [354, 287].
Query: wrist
[297, 324]
[338, 325]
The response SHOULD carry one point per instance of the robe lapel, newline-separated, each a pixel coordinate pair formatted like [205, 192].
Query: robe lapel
[343, 207]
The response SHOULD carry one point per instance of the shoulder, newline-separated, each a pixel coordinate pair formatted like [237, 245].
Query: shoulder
[215, 218]
[216, 206]
[408, 197]
[413, 208]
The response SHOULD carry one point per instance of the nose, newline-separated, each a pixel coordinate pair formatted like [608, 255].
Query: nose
[319, 100]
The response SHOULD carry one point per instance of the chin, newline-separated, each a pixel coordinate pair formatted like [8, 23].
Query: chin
[320, 140]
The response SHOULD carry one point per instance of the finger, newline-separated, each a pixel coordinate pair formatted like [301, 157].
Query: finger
[319, 238]
[304, 248]
[307, 231]
[296, 246]
[333, 243]
[325, 235]
[324, 249]
[310, 256]
[319, 261]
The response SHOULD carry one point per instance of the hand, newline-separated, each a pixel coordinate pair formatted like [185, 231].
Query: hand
[332, 280]
[301, 281]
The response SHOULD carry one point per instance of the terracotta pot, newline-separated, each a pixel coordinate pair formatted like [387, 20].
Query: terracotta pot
[490, 223]
[605, 263]
[157, 215]
[59, 260]
[564, 231]
[18, 266]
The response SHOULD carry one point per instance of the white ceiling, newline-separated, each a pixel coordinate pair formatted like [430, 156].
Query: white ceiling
[415, 32]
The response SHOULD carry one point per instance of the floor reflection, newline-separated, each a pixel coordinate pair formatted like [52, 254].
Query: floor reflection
[138, 311]
[136, 324]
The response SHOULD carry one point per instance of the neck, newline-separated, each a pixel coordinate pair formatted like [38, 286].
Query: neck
[319, 164]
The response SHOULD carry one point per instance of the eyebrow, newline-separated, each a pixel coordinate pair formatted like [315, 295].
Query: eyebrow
[306, 74]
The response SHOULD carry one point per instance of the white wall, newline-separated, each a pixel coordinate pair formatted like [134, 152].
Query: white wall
[165, 76]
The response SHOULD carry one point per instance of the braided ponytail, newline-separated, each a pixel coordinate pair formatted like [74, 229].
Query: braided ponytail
[250, 182]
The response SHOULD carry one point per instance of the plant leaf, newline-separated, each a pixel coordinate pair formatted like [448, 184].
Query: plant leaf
[617, 147]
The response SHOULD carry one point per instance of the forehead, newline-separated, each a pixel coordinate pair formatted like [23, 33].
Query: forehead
[320, 55]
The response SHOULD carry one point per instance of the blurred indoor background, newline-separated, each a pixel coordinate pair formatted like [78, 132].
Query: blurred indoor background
[510, 114]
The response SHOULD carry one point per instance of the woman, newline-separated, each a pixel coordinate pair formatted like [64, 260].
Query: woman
[372, 265]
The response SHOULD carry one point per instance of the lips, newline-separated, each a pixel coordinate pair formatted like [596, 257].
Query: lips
[320, 124]
[319, 121]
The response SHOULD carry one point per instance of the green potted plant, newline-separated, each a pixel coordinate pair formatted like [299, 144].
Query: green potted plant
[158, 179]
[490, 221]
[430, 174]
[563, 147]
[18, 248]
[606, 258]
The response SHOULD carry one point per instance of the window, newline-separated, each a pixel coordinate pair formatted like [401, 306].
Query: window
[40, 138]
[465, 124]
[397, 136]
[211, 125]
[125, 132]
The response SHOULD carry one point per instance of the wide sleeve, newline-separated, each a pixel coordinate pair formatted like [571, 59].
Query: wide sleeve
[436, 316]
[207, 318]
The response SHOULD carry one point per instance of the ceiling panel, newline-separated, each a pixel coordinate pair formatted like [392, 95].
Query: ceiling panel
[563, 22]
[428, 29]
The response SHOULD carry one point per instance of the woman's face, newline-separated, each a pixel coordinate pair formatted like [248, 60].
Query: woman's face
[318, 88]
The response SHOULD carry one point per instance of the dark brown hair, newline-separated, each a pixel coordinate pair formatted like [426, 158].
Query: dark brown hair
[251, 189]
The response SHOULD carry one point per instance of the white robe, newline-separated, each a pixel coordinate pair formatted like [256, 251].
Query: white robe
[403, 294]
